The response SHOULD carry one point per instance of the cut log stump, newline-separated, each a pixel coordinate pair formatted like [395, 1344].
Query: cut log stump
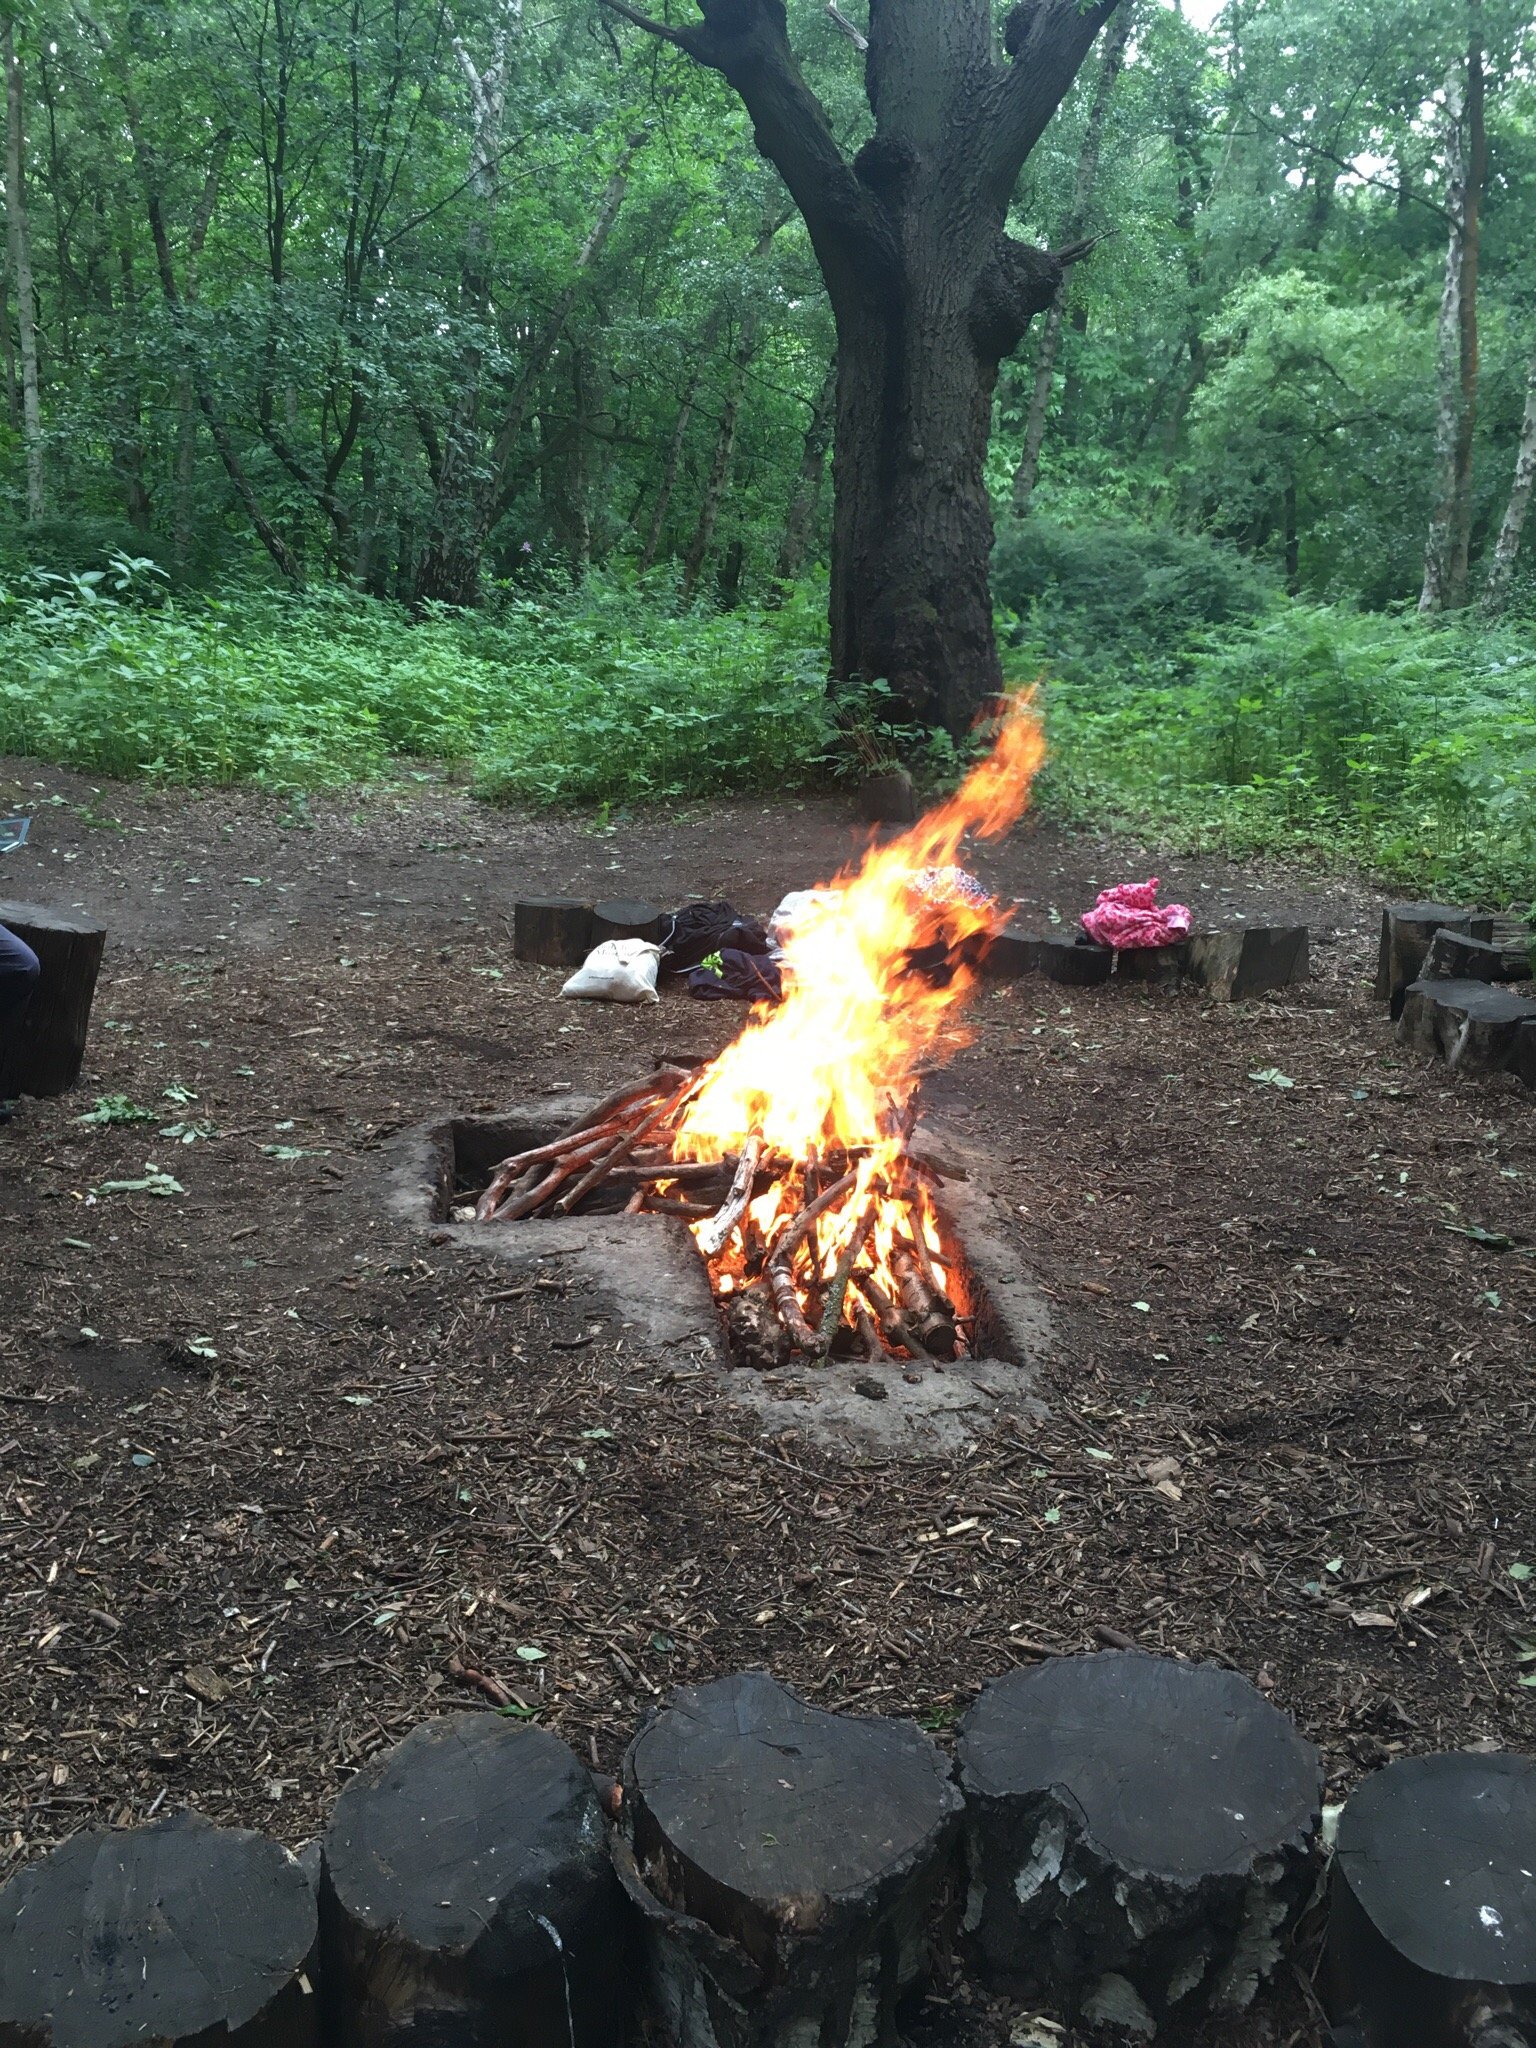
[48, 1045]
[1522, 1057]
[1407, 931]
[552, 931]
[467, 1898]
[1456, 956]
[1078, 964]
[1432, 1928]
[794, 1868]
[178, 1934]
[626, 918]
[1236, 966]
[1159, 966]
[1473, 1027]
[888, 799]
[1011, 954]
[1140, 1834]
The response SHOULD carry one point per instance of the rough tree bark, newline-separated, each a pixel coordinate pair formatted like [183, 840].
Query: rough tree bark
[1111, 64]
[928, 292]
[1447, 549]
[1501, 570]
[20, 241]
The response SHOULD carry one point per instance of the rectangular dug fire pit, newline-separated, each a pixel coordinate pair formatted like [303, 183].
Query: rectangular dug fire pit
[857, 1255]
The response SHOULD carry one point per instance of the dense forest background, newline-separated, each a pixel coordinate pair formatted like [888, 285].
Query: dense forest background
[387, 377]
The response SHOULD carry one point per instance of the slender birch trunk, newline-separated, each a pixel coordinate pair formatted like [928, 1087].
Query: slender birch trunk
[725, 454]
[813, 463]
[21, 264]
[1111, 64]
[1501, 569]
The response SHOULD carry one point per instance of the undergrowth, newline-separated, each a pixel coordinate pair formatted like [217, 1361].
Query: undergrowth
[1228, 720]
[1362, 740]
[612, 693]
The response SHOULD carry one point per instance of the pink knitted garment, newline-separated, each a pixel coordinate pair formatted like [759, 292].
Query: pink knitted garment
[1130, 915]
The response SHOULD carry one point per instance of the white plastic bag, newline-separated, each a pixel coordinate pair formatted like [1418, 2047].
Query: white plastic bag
[794, 906]
[618, 971]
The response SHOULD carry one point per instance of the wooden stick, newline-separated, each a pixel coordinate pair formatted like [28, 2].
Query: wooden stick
[894, 1326]
[535, 1197]
[636, 1201]
[781, 1286]
[869, 1336]
[924, 1257]
[509, 1169]
[837, 1289]
[712, 1238]
[631, 1092]
[685, 1169]
[610, 1159]
[658, 1207]
[788, 1241]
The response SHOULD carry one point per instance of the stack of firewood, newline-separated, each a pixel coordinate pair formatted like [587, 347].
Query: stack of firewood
[780, 1293]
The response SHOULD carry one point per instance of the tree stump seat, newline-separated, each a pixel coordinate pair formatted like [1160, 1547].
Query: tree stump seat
[791, 1867]
[1140, 1834]
[467, 1898]
[47, 1048]
[179, 1934]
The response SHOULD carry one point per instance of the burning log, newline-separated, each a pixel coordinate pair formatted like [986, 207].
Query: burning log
[781, 1285]
[893, 1325]
[837, 1289]
[712, 1238]
[925, 1308]
[781, 1261]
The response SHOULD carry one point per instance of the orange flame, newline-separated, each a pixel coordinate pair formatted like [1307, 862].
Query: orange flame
[836, 1062]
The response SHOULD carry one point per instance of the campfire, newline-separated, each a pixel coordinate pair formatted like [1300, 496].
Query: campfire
[788, 1155]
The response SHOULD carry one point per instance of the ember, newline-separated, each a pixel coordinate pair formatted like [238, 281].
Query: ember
[788, 1154]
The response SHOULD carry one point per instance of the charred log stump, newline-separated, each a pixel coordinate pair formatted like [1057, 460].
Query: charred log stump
[1158, 966]
[1407, 932]
[793, 1867]
[887, 799]
[552, 931]
[46, 1047]
[1456, 956]
[623, 918]
[1010, 954]
[1235, 966]
[1078, 964]
[179, 1933]
[1140, 1833]
[467, 1898]
[1522, 1057]
[1432, 1929]
[1472, 1026]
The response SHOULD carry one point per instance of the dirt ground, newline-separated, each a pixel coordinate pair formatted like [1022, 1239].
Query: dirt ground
[268, 1461]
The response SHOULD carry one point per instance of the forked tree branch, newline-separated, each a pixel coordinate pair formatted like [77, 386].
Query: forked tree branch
[1047, 41]
[747, 42]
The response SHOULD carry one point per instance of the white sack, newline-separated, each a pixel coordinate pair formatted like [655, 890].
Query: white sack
[618, 971]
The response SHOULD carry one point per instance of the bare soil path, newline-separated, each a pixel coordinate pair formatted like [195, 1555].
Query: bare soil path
[268, 1463]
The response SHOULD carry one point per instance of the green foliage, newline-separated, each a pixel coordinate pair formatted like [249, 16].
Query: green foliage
[611, 693]
[1365, 740]
[1096, 585]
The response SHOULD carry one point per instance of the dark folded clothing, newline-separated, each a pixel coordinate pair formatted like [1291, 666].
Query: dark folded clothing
[747, 977]
[691, 934]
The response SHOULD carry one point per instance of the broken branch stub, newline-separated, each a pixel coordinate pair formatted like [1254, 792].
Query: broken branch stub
[793, 1867]
[1141, 1834]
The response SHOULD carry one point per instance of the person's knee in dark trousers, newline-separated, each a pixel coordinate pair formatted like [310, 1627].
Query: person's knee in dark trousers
[18, 978]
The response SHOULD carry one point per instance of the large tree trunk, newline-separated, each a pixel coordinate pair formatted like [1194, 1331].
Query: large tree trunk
[1111, 64]
[929, 294]
[1501, 570]
[21, 264]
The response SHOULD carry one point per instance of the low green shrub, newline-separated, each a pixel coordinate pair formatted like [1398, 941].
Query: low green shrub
[1372, 740]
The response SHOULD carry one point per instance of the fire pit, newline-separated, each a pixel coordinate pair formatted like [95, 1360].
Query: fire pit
[788, 1156]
